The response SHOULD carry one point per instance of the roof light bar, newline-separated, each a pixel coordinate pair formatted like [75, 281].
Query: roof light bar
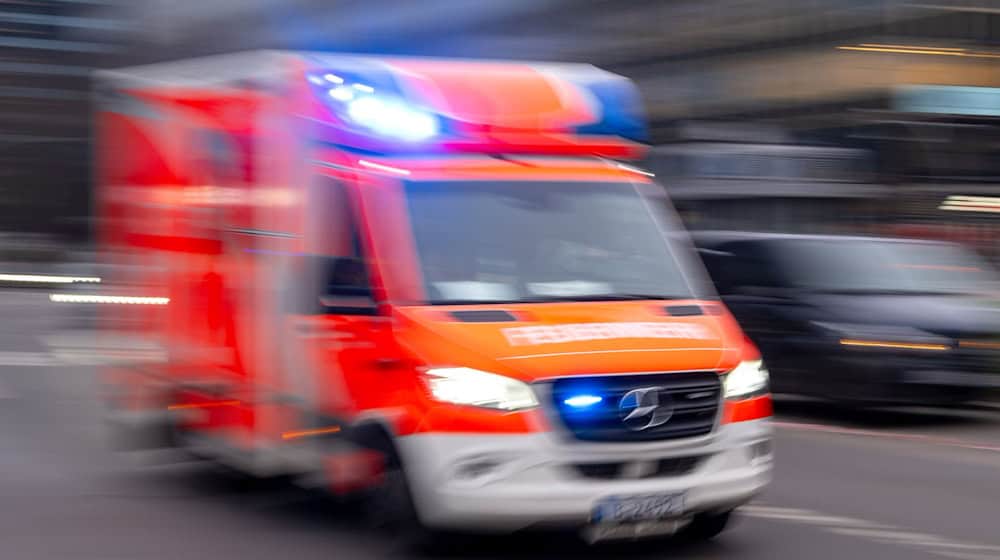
[416, 105]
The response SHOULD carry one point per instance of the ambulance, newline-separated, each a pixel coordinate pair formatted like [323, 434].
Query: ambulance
[437, 284]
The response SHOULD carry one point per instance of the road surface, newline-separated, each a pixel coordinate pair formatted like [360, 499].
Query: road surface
[912, 485]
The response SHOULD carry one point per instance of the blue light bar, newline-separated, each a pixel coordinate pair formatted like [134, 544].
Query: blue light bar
[582, 401]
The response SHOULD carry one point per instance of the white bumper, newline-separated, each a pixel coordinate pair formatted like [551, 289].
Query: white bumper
[510, 482]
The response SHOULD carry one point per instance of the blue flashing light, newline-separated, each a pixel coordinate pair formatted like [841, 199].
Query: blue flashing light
[341, 93]
[392, 118]
[365, 111]
[385, 115]
[582, 401]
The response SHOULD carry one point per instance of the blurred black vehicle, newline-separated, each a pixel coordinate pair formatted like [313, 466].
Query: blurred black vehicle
[863, 319]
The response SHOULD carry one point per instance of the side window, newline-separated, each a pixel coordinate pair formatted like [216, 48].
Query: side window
[719, 264]
[335, 265]
[751, 267]
[345, 275]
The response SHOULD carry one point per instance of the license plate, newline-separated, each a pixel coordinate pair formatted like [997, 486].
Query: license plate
[634, 509]
[631, 531]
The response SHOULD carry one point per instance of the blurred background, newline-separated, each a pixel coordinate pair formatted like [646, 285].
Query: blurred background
[803, 116]
[787, 115]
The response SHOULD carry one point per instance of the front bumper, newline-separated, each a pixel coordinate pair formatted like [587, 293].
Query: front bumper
[503, 483]
[908, 378]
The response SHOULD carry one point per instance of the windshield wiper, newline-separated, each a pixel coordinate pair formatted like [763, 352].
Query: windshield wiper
[566, 298]
[605, 297]
[472, 301]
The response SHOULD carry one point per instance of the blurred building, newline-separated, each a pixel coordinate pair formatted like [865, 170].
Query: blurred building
[806, 101]
[49, 48]
[915, 85]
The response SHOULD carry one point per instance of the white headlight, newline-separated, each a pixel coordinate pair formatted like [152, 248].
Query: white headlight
[746, 379]
[461, 385]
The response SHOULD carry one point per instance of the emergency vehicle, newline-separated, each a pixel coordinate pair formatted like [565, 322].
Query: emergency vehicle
[433, 281]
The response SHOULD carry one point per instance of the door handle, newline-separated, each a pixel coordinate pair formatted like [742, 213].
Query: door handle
[388, 363]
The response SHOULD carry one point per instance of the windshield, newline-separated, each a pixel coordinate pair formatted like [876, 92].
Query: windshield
[482, 242]
[885, 266]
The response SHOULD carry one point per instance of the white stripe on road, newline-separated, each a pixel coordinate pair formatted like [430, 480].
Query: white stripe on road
[879, 532]
[70, 357]
[106, 357]
[96, 340]
[27, 359]
[806, 516]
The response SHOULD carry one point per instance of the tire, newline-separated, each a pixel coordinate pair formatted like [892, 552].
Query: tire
[706, 526]
[390, 509]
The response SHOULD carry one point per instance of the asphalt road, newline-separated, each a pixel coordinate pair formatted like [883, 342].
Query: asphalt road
[914, 484]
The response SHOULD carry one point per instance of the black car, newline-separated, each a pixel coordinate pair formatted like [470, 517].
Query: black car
[862, 319]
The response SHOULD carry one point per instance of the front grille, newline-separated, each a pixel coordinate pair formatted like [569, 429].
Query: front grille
[690, 400]
[602, 471]
[674, 466]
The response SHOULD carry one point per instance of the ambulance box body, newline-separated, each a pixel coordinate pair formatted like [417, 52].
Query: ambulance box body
[437, 281]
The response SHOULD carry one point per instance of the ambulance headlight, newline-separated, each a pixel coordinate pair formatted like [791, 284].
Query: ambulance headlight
[748, 379]
[472, 387]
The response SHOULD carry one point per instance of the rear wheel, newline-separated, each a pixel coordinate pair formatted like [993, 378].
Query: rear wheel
[706, 526]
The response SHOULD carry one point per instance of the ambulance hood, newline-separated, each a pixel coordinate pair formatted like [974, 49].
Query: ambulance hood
[537, 341]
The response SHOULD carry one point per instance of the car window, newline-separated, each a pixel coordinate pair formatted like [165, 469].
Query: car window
[873, 265]
[718, 263]
[752, 265]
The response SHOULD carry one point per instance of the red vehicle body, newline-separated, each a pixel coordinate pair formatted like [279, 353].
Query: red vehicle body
[332, 239]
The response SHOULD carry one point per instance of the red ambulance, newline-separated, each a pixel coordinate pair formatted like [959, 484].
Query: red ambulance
[431, 280]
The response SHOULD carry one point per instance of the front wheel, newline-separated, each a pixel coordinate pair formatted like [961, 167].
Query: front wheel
[706, 526]
[389, 506]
